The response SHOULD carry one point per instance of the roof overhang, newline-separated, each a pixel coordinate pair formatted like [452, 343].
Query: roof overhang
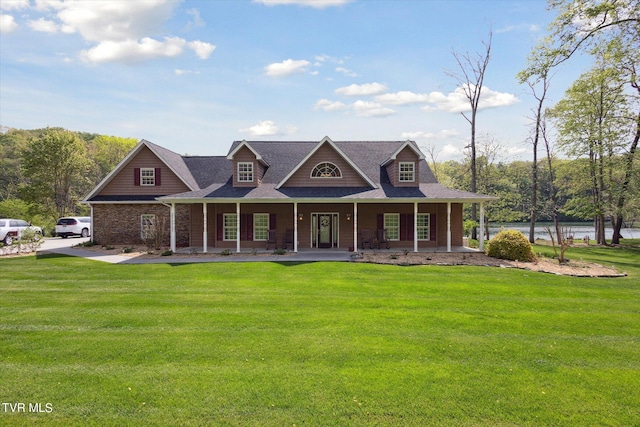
[411, 145]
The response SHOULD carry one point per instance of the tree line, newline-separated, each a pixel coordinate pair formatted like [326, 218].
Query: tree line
[45, 173]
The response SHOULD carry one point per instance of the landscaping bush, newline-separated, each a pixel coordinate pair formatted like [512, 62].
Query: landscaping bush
[511, 245]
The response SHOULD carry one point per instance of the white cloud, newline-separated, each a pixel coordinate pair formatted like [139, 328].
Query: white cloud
[202, 49]
[7, 23]
[318, 4]
[371, 109]
[402, 98]
[346, 72]
[263, 128]
[326, 105]
[457, 102]
[99, 21]
[132, 51]
[362, 90]
[44, 25]
[183, 72]
[442, 134]
[286, 67]
[14, 4]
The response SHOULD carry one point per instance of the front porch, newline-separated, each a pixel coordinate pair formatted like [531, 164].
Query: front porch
[339, 226]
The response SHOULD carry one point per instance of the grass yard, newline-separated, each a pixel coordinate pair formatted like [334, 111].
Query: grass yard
[326, 344]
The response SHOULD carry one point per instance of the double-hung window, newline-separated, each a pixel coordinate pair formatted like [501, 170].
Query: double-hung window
[423, 226]
[406, 172]
[260, 226]
[147, 176]
[230, 226]
[245, 171]
[147, 226]
[392, 225]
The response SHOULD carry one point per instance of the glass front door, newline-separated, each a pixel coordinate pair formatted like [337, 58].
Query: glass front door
[324, 230]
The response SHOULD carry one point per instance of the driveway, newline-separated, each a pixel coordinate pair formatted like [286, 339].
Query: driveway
[51, 243]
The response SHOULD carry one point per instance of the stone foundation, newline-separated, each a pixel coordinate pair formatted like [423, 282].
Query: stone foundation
[121, 224]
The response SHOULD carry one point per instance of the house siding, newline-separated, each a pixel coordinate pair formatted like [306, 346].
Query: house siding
[393, 168]
[302, 177]
[246, 155]
[124, 182]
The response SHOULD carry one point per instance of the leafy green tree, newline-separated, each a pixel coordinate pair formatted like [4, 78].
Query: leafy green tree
[106, 152]
[55, 168]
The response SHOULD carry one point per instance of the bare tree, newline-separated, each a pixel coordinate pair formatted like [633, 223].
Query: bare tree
[470, 78]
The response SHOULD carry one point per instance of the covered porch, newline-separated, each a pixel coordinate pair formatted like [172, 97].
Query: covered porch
[324, 226]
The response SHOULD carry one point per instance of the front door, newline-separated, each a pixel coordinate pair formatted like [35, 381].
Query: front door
[324, 231]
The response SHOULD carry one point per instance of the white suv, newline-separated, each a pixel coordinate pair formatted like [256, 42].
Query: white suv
[11, 229]
[74, 226]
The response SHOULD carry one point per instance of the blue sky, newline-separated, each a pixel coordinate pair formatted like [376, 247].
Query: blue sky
[193, 76]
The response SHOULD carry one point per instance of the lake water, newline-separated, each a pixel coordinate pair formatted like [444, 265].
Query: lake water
[579, 230]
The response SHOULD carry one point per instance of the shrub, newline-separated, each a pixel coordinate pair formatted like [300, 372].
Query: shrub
[168, 252]
[511, 245]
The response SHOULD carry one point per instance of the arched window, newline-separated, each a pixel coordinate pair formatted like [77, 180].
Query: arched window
[326, 170]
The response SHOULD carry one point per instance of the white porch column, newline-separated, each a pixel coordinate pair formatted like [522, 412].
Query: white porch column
[295, 226]
[481, 237]
[204, 231]
[172, 228]
[238, 227]
[415, 226]
[448, 226]
[355, 226]
[92, 227]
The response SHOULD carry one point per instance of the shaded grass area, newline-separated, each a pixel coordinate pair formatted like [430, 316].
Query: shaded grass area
[317, 344]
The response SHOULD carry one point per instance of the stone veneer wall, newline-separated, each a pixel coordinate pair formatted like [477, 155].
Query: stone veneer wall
[120, 224]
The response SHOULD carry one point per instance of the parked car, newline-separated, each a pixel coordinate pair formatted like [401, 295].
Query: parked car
[74, 226]
[12, 229]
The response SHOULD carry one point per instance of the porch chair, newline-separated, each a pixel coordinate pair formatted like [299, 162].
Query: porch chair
[366, 238]
[272, 239]
[382, 237]
[288, 238]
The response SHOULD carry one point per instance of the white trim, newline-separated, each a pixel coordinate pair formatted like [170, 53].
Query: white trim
[134, 151]
[355, 226]
[205, 234]
[448, 226]
[238, 227]
[238, 171]
[242, 144]
[327, 140]
[415, 226]
[410, 144]
[254, 226]
[413, 171]
[384, 224]
[152, 176]
[172, 227]
[326, 177]
[428, 215]
[481, 237]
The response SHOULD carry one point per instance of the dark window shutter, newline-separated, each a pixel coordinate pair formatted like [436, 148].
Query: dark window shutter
[432, 227]
[157, 177]
[219, 225]
[410, 227]
[380, 221]
[246, 227]
[249, 227]
[136, 177]
[272, 222]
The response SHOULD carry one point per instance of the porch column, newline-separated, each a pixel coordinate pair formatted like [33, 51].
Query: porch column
[172, 227]
[481, 237]
[448, 226]
[295, 226]
[238, 227]
[92, 227]
[204, 231]
[415, 226]
[355, 226]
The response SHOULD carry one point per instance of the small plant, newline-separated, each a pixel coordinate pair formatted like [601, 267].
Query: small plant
[405, 252]
[225, 252]
[279, 252]
[394, 256]
[254, 251]
[193, 251]
[127, 250]
[86, 244]
[107, 247]
[511, 245]
[168, 252]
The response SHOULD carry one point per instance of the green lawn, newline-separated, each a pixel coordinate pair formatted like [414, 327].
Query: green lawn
[263, 344]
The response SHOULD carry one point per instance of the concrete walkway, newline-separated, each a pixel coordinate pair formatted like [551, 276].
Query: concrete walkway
[184, 256]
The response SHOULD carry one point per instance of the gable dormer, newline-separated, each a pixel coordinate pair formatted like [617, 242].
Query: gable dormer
[326, 166]
[403, 167]
[248, 165]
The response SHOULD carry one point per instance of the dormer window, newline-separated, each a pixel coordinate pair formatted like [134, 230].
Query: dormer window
[406, 172]
[326, 170]
[245, 171]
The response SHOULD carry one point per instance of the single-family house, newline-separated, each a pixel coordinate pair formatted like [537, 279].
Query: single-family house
[325, 194]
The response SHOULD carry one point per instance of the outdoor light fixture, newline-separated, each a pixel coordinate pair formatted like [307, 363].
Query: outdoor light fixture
[300, 217]
[348, 217]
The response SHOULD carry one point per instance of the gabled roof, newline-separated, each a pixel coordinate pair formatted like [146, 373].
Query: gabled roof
[409, 144]
[174, 161]
[243, 144]
[327, 140]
